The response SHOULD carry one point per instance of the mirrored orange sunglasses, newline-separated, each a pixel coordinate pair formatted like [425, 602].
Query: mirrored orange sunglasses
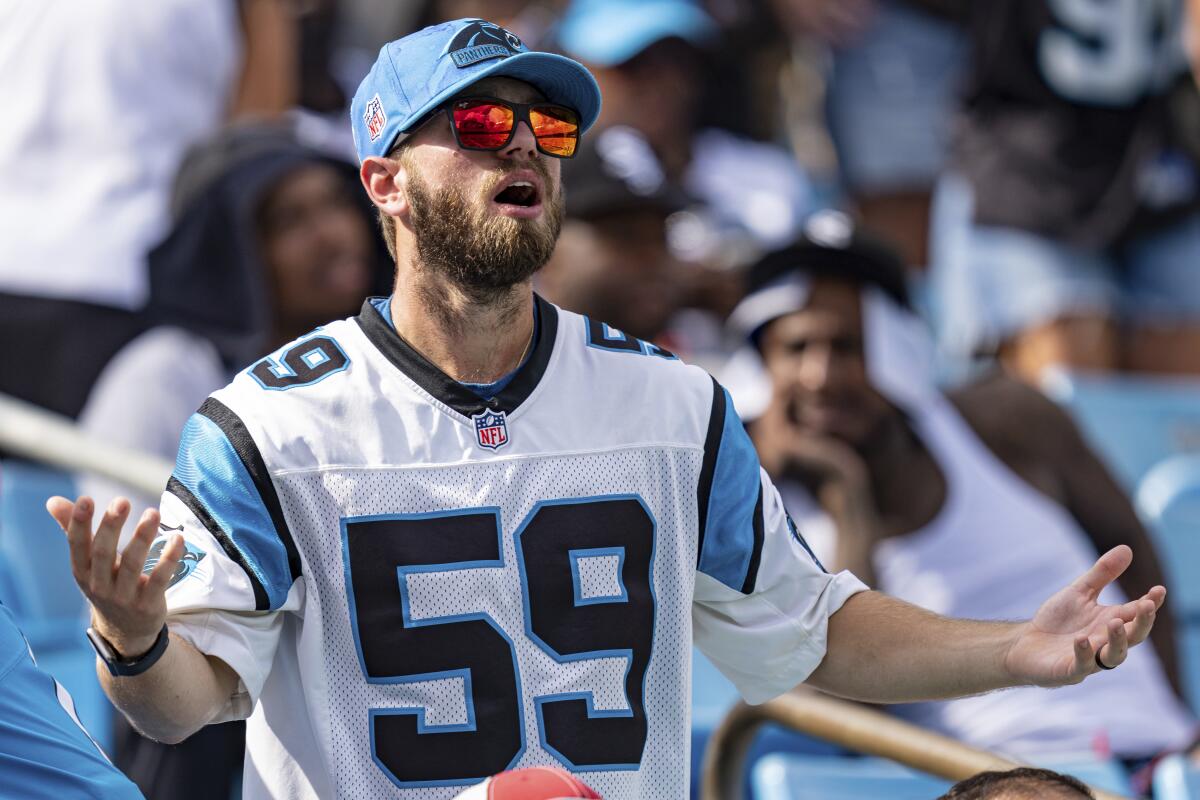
[489, 123]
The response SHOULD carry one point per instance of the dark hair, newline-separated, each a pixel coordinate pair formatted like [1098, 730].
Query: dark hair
[1022, 779]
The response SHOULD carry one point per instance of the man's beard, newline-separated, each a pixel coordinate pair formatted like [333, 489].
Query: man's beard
[483, 255]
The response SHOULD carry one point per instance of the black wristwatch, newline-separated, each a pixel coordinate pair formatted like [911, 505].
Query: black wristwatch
[126, 667]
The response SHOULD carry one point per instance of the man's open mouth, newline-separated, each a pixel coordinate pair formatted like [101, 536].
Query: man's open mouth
[520, 193]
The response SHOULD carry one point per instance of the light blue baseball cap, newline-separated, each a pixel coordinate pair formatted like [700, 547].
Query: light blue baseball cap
[610, 32]
[414, 75]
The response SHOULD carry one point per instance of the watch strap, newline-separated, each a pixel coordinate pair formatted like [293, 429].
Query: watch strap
[128, 667]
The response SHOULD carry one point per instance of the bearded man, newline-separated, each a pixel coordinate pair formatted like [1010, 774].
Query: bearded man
[466, 531]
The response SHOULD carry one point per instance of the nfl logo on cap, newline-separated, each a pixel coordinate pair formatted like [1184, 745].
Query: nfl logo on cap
[374, 117]
[491, 430]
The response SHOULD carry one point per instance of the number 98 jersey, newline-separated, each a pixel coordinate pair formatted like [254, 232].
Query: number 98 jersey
[419, 588]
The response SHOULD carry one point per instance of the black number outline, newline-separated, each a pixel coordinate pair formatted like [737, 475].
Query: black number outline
[588, 696]
[520, 691]
[598, 338]
[266, 372]
[420, 712]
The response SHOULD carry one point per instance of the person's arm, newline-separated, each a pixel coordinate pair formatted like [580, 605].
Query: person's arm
[267, 86]
[884, 650]
[1106, 515]
[185, 689]
[1047, 439]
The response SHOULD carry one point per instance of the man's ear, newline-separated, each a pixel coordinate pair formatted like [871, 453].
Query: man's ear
[384, 179]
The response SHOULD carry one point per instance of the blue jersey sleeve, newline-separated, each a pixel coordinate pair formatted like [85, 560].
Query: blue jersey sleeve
[221, 477]
[732, 526]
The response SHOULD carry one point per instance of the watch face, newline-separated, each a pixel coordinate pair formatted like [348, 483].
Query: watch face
[102, 648]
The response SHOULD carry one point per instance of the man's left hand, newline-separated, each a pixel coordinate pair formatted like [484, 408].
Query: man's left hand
[1072, 631]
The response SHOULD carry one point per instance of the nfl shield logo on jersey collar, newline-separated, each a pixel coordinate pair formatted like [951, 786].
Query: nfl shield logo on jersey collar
[491, 429]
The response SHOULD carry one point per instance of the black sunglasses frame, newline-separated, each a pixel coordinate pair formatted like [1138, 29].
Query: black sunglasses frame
[520, 114]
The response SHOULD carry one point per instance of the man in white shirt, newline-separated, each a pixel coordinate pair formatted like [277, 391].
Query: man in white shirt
[972, 503]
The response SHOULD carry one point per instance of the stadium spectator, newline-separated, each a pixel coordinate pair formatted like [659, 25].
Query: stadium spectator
[893, 75]
[269, 240]
[100, 101]
[1022, 783]
[612, 261]
[44, 750]
[648, 59]
[970, 504]
[446, 535]
[1068, 231]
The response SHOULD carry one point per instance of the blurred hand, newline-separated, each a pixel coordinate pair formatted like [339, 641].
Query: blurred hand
[1060, 644]
[786, 449]
[835, 474]
[128, 607]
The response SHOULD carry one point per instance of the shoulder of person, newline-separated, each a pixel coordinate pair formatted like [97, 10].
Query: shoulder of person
[1015, 420]
[166, 348]
[167, 365]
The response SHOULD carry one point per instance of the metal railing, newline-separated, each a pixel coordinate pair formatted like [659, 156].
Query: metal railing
[39, 435]
[850, 725]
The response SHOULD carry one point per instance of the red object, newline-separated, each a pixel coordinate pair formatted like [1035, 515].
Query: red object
[532, 783]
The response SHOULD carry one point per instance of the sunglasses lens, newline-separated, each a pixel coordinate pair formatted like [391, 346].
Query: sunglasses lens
[482, 125]
[556, 129]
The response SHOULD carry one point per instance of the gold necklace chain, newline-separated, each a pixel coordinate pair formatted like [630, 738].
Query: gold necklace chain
[524, 352]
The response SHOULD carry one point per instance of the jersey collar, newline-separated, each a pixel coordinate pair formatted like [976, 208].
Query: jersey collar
[449, 391]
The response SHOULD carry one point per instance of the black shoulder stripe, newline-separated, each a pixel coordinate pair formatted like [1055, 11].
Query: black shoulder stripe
[261, 601]
[756, 553]
[243, 444]
[712, 445]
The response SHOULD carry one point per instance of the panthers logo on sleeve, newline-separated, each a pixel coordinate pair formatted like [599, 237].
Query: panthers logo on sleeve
[192, 556]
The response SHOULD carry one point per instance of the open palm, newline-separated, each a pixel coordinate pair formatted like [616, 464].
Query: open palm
[1072, 630]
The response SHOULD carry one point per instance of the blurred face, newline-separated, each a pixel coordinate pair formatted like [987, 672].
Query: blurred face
[317, 246]
[816, 361]
[617, 270]
[655, 93]
[486, 220]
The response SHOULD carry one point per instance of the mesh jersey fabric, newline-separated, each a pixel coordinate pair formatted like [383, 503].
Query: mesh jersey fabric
[412, 607]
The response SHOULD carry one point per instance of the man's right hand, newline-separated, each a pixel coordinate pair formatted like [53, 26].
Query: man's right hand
[128, 607]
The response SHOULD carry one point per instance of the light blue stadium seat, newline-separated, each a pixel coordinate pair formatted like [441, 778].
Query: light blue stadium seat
[1106, 774]
[32, 545]
[1176, 779]
[1168, 499]
[1133, 422]
[790, 777]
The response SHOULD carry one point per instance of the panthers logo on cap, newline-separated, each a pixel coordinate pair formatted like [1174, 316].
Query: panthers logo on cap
[481, 40]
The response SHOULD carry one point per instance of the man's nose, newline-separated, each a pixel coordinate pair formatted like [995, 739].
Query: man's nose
[523, 144]
[817, 367]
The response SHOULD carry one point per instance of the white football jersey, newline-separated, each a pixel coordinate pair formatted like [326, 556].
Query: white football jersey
[419, 588]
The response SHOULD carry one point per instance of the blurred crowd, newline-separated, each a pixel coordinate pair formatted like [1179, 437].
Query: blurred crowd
[880, 223]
